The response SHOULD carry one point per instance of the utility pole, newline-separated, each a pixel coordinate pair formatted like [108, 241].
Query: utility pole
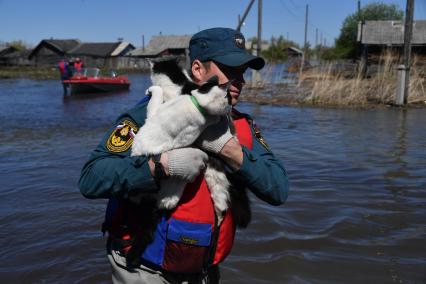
[243, 18]
[256, 80]
[359, 10]
[316, 44]
[305, 44]
[316, 37]
[404, 70]
[143, 43]
[259, 27]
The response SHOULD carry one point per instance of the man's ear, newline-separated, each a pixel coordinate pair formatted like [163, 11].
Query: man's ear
[197, 70]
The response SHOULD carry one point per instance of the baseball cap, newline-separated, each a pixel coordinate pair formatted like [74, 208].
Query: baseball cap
[223, 45]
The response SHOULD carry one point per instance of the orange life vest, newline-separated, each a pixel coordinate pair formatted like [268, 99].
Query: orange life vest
[188, 239]
[78, 66]
[62, 65]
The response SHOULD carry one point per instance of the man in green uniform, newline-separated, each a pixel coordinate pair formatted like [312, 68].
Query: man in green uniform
[112, 173]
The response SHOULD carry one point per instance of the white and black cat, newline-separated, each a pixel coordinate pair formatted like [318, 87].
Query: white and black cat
[173, 121]
[169, 82]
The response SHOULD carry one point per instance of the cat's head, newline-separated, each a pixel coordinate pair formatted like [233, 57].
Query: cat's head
[167, 74]
[213, 98]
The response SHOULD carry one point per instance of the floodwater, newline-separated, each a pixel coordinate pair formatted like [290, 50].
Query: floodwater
[356, 212]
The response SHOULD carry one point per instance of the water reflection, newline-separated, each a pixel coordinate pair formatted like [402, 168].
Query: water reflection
[88, 96]
[356, 210]
[398, 153]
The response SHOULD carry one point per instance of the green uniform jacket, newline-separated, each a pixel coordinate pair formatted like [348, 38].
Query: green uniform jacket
[111, 172]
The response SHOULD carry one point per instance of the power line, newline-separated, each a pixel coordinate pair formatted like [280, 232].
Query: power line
[295, 5]
[300, 18]
[289, 10]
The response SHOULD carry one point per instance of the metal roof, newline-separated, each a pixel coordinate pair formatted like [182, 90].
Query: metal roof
[159, 43]
[101, 49]
[295, 50]
[63, 45]
[4, 50]
[391, 33]
[60, 46]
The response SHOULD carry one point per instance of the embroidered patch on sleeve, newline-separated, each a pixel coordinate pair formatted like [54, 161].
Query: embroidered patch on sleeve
[259, 136]
[122, 136]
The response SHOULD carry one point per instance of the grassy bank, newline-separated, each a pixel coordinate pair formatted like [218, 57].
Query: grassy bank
[40, 73]
[329, 88]
[325, 86]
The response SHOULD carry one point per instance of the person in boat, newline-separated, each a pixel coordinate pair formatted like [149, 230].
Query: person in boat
[187, 243]
[78, 65]
[63, 67]
[70, 67]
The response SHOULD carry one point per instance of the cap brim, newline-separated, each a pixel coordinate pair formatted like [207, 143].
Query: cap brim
[239, 59]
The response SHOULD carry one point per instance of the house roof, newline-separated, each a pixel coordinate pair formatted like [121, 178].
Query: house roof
[18, 53]
[157, 44]
[294, 50]
[101, 49]
[391, 33]
[60, 46]
[4, 50]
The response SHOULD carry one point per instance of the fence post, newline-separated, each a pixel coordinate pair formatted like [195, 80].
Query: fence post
[399, 100]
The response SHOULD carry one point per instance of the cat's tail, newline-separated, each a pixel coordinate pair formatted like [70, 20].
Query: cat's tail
[170, 192]
[218, 184]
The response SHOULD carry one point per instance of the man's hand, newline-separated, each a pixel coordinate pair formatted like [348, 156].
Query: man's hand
[214, 137]
[218, 139]
[184, 163]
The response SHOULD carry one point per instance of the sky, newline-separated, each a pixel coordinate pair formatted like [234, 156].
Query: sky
[135, 20]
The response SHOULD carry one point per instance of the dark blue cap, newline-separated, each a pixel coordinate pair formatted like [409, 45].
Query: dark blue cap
[223, 45]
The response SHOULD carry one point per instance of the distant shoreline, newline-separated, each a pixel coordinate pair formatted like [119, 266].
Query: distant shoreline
[279, 94]
[46, 73]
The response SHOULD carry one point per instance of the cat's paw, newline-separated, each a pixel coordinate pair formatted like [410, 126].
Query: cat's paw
[168, 202]
[153, 91]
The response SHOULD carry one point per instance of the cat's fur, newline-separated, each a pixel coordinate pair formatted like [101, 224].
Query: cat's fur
[170, 83]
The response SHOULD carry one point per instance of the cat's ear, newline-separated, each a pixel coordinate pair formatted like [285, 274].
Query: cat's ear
[207, 86]
[214, 80]
[185, 72]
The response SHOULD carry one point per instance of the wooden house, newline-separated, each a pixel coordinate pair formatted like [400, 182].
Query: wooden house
[293, 52]
[102, 54]
[164, 45]
[93, 54]
[6, 50]
[375, 37]
[50, 51]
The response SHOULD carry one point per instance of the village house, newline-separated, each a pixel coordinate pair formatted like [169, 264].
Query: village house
[93, 54]
[103, 54]
[50, 51]
[6, 50]
[164, 45]
[377, 36]
[12, 56]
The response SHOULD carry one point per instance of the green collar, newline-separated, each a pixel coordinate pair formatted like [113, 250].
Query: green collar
[197, 105]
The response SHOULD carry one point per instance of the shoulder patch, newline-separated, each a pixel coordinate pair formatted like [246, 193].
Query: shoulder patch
[122, 136]
[259, 136]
